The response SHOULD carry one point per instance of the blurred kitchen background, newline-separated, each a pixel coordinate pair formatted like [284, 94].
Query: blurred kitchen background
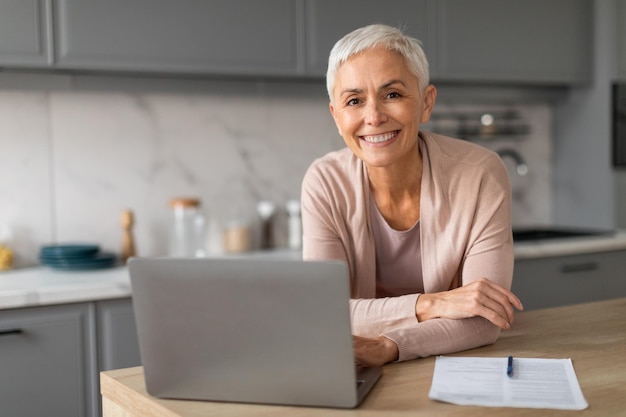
[112, 106]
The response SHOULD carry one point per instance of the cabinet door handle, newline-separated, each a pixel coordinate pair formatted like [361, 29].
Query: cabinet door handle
[579, 267]
[8, 332]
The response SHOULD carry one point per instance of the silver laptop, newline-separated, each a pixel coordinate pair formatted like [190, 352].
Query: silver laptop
[247, 330]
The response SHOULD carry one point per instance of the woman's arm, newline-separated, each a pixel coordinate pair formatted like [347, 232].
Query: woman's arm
[414, 332]
[482, 298]
[472, 314]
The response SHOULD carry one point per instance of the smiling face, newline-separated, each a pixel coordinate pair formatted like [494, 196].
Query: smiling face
[378, 107]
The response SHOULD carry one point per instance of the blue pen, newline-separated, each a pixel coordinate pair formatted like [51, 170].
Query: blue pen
[509, 367]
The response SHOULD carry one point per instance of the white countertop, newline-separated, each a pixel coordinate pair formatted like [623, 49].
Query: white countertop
[570, 246]
[39, 286]
[44, 286]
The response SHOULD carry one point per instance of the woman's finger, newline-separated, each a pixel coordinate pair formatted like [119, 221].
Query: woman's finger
[496, 300]
[511, 298]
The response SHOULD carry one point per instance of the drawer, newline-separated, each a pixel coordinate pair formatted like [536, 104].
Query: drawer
[563, 280]
[46, 352]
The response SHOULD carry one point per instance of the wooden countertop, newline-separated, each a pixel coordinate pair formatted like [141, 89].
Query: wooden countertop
[592, 334]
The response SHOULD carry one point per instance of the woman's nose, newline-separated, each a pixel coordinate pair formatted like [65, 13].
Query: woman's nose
[374, 113]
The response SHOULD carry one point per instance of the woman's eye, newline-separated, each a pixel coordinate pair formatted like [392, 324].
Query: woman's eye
[393, 95]
[353, 102]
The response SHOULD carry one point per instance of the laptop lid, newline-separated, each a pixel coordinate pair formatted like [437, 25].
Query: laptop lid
[246, 330]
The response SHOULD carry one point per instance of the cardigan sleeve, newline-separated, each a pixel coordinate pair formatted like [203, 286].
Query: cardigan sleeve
[320, 237]
[440, 336]
[334, 219]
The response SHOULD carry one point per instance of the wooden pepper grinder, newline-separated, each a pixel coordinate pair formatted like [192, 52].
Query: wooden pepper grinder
[128, 242]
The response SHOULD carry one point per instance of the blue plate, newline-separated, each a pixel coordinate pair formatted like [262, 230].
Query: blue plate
[70, 258]
[100, 260]
[82, 267]
[69, 250]
[101, 257]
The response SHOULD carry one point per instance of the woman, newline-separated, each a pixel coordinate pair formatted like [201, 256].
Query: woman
[422, 220]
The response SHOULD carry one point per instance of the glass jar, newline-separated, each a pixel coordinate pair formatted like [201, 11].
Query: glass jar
[237, 232]
[188, 228]
[237, 236]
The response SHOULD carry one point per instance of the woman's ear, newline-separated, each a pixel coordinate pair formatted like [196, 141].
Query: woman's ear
[332, 113]
[429, 97]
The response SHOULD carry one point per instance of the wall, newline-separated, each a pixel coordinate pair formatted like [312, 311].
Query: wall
[584, 181]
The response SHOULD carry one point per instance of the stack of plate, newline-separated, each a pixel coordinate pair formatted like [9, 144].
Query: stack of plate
[76, 257]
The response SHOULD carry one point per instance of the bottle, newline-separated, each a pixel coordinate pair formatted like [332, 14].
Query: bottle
[188, 228]
[294, 224]
[127, 220]
[266, 211]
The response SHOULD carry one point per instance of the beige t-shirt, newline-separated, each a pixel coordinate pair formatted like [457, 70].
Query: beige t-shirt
[398, 257]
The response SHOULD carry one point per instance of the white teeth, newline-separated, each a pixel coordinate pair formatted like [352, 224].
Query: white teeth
[379, 138]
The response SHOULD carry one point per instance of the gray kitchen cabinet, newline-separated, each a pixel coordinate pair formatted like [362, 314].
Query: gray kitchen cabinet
[235, 37]
[507, 41]
[118, 346]
[117, 335]
[563, 280]
[328, 20]
[47, 357]
[544, 41]
[24, 33]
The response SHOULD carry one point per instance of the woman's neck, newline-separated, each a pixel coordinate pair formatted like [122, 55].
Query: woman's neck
[396, 182]
[396, 191]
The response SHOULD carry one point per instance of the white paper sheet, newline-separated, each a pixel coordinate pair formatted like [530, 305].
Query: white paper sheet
[535, 383]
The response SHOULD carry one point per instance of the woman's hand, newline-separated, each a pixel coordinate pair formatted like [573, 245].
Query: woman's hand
[374, 351]
[482, 298]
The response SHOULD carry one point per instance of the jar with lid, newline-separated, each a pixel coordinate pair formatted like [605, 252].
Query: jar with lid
[188, 228]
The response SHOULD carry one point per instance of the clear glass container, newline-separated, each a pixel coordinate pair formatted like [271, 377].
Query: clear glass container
[237, 232]
[188, 228]
[294, 224]
[237, 236]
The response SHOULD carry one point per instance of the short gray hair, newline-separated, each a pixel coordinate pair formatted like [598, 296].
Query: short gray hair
[372, 36]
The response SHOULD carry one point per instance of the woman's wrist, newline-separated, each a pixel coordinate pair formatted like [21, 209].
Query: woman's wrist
[424, 307]
[391, 349]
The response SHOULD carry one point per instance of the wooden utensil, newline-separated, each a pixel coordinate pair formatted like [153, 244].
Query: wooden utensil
[128, 242]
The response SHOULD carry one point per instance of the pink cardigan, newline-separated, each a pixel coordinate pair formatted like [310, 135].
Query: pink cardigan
[465, 235]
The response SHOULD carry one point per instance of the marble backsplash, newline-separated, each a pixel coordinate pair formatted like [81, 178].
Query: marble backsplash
[72, 161]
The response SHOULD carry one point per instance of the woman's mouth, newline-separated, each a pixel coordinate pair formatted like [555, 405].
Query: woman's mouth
[383, 137]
